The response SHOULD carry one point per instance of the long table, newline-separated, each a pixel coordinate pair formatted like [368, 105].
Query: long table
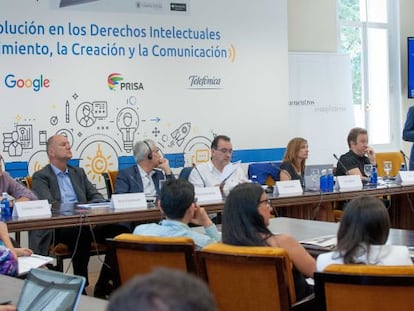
[67, 215]
[303, 229]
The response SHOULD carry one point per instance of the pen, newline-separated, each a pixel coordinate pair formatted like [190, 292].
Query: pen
[6, 302]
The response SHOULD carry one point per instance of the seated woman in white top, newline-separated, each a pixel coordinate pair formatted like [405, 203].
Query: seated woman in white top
[361, 236]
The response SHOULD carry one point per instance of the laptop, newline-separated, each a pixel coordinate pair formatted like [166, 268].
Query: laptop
[49, 290]
[311, 185]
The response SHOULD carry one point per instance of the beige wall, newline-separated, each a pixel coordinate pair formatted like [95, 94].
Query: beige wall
[312, 26]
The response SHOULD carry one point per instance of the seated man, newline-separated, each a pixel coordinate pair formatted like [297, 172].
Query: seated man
[359, 154]
[59, 182]
[147, 174]
[209, 174]
[178, 204]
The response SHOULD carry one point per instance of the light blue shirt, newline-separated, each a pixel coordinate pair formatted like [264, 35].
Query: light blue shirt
[67, 193]
[173, 228]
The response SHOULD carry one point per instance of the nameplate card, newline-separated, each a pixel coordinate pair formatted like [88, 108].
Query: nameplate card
[405, 178]
[29, 209]
[289, 188]
[349, 182]
[208, 194]
[123, 201]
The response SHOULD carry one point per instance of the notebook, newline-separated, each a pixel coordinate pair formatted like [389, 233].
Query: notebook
[50, 291]
[311, 184]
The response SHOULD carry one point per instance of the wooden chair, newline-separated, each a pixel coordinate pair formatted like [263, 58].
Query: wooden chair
[137, 254]
[395, 157]
[248, 278]
[365, 287]
[110, 178]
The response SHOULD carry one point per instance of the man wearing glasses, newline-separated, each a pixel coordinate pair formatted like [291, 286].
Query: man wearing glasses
[209, 174]
[178, 204]
[144, 177]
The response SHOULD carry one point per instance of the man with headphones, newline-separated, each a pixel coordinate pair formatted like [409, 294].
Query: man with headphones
[144, 177]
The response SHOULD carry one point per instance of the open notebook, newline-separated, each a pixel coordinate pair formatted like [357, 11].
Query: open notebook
[50, 291]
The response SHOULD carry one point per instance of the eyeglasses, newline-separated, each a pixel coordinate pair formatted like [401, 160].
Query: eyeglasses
[267, 201]
[225, 150]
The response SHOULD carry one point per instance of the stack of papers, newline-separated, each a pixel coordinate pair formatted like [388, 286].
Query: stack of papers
[323, 242]
[34, 261]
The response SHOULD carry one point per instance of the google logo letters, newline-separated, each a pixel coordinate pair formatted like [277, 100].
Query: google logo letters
[36, 84]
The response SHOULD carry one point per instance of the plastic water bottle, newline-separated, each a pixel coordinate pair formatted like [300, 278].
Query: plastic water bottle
[330, 180]
[5, 205]
[323, 181]
[254, 179]
[374, 175]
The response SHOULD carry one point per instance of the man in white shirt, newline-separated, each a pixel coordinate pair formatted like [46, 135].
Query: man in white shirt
[210, 174]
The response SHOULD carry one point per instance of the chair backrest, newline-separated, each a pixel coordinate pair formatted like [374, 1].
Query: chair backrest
[395, 157]
[247, 277]
[110, 178]
[185, 172]
[28, 181]
[365, 287]
[137, 254]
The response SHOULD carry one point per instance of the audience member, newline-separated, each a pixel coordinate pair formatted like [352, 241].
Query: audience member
[209, 174]
[8, 253]
[245, 222]
[359, 154]
[144, 177]
[163, 290]
[178, 204]
[293, 168]
[361, 237]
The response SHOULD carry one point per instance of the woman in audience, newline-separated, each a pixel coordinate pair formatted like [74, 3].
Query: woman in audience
[293, 168]
[245, 219]
[361, 237]
[8, 253]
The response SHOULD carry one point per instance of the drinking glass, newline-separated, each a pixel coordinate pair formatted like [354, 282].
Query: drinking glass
[368, 169]
[387, 168]
[315, 176]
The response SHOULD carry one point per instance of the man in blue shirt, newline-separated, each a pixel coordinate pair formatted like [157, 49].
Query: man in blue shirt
[178, 204]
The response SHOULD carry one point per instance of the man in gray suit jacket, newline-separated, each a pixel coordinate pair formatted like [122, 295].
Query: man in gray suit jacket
[59, 182]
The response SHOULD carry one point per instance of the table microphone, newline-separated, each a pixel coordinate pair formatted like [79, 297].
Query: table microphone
[405, 159]
[199, 174]
[340, 162]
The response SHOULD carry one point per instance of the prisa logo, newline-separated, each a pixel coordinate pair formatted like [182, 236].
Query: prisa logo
[36, 84]
[115, 80]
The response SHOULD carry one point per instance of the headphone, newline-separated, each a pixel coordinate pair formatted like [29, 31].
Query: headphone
[149, 156]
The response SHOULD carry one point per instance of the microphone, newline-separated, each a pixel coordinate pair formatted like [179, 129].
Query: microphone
[405, 159]
[340, 162]
[199, 174]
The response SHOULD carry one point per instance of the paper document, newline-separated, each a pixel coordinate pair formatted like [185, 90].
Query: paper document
[327, 241]
[34, 261]
[228, 170]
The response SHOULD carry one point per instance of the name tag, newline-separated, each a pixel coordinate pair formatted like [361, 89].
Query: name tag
[129, 201]
[288, 188]
[405, 178]
[349, 182]
[208, 194]
[35, 209]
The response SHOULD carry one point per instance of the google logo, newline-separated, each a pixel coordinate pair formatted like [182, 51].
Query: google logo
[36, 84]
